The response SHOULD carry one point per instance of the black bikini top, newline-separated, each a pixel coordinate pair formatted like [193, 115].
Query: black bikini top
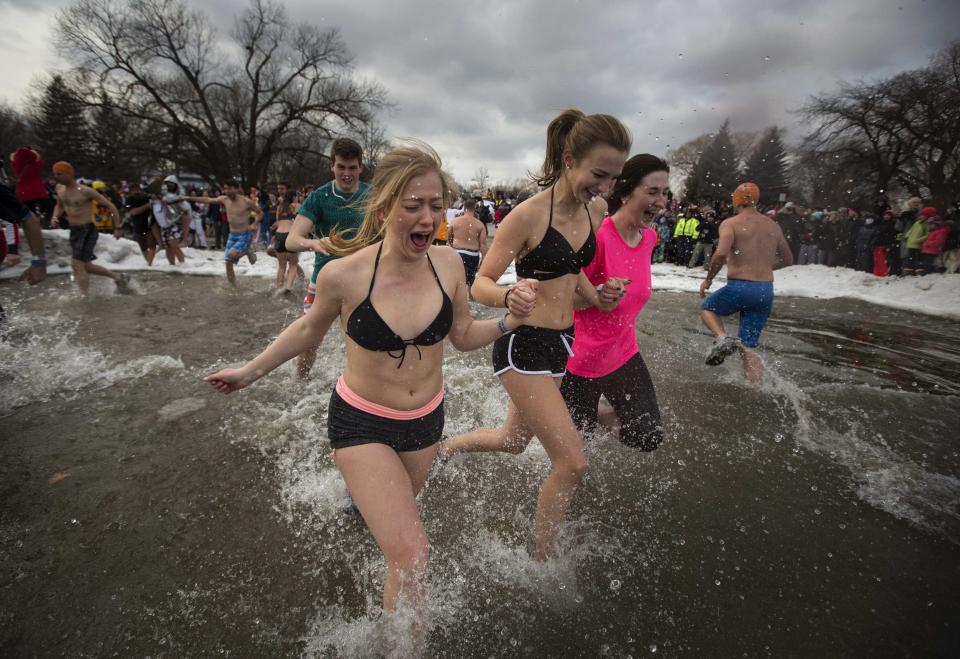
[554, 257]
[370, 331]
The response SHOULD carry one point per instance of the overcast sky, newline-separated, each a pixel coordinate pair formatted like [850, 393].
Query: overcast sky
[481, 80]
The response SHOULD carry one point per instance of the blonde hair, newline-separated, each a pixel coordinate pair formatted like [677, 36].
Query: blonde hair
[579, 132]
[394, 171]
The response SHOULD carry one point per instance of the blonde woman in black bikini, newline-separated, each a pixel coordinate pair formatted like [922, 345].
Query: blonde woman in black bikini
[386, 412]
[551, 236]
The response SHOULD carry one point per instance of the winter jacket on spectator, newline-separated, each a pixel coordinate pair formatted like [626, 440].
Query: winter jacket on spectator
[917, 234]
[935, 240]
[866, 237]
[887, 233]
[27, 166]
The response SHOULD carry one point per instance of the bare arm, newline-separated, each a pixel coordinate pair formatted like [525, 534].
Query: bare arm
[304, 333]
[298, 240]
[509, 242]
[719, 258]
[467, 333]
[483, 240]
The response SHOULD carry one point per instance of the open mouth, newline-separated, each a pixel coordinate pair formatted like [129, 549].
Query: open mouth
[420, 240]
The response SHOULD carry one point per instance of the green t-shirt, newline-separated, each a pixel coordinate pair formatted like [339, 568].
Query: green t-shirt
[329, 208]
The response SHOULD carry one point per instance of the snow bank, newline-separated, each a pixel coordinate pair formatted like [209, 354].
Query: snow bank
[123, 255]
[938, 295]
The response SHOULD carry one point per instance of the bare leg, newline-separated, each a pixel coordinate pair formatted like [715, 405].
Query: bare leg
[512, 437]
[281, 270]
[292, 268]
[305, 362]
[713, 322]
[171, 255]
[752, 366]
[231, 277]
[95, 269]
[541, 411]
[80, 274]
[384, 485]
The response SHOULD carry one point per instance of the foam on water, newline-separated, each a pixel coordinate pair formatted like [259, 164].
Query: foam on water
[883, 478]
[40, 359]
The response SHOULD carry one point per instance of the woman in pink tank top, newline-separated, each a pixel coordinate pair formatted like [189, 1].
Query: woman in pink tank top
[606, 360]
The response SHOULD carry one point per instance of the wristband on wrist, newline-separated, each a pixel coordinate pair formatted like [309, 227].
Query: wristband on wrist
[38, 263]
[505, 296]
[502, 324]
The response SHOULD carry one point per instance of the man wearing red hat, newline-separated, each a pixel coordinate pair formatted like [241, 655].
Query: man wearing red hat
[752, 246]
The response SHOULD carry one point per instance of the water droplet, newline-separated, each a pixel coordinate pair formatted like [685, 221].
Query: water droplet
[766, 58]
[716, 582]
[653, 647]
[680, 55]
[778, 438]
[816, 511]
[726, 75]
[615, 585]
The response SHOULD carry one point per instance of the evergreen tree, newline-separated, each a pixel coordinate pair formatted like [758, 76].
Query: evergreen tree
[715, 175]
[767, 166]
[61, 126]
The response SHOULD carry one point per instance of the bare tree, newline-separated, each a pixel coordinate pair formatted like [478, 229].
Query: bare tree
[904, 130]
[223, 109]
[482, 178]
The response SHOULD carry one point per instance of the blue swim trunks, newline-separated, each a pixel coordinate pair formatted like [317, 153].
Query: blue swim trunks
[238, 241]
[753, 299]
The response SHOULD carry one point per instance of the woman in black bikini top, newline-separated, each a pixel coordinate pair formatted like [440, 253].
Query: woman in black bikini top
[551, 235]
[386, 413]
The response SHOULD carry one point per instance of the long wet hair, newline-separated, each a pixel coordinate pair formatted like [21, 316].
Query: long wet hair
[578, 132]
[634, 170]
[394, 171]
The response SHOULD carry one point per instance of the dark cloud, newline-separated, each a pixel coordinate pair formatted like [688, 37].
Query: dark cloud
[480, 81]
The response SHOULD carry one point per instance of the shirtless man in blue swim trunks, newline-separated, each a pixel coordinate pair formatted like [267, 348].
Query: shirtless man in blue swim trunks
[752, 246]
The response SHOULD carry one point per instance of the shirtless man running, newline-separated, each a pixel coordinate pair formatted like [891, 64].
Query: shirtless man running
[468, 235]
[77, 202]
[752, 246]
[238, 208]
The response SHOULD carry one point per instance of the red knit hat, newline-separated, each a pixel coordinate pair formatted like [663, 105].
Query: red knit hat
[928, 212]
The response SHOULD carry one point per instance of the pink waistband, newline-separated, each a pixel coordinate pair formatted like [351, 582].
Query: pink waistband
[364, 405]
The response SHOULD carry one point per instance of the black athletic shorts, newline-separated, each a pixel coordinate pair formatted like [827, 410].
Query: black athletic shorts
[141, 229]
[471, 262]
[83, 238]
[280, 242]
[348, 426]
[630, 392]
[533, 351]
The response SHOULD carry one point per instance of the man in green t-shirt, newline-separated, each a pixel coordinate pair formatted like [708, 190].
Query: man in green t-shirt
[337, 205]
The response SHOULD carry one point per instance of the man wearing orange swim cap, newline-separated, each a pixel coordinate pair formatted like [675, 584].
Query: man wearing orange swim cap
[752, 246]
[746, 194]
[74, 201]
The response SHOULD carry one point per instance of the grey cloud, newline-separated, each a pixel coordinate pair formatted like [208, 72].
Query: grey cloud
[480, 81]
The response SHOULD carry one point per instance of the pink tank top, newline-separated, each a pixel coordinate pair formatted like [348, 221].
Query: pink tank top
[605, 341]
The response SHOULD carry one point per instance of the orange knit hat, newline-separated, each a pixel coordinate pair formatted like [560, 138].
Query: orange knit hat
[746, 194]
[63, 167]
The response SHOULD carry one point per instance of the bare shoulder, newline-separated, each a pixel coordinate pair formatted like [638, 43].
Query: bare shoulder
[346, 275]
[598, 210]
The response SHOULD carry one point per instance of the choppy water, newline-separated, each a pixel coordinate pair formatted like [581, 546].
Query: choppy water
[143, 514]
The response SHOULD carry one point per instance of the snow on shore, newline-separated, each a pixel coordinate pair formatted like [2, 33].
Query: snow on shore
[938, 295]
